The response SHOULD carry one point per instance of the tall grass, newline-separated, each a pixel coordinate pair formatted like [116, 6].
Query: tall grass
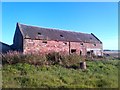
[57, 71]
[98, 74]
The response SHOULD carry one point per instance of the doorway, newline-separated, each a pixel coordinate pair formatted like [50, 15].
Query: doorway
[80, 53]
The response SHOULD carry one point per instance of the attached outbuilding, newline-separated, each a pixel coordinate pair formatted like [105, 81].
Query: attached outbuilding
[4, 48]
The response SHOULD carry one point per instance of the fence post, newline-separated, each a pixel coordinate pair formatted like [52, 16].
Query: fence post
[83, 65]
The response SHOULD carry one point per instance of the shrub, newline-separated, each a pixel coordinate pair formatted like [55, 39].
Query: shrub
[11, 58]
[48, 59]
[71, 60]
[35, 59]
[54, 58]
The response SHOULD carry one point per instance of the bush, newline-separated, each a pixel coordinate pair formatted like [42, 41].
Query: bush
[48, 59]
[71, 60]
[54, 58]
[11, 58]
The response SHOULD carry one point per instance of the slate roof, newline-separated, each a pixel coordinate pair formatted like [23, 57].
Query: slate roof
[1, 43]
[34, 32]
[4, 47]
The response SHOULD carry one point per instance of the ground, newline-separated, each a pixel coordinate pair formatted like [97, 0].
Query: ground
[99, 74]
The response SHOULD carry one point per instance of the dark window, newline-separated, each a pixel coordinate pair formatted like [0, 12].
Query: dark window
[88, 53]
[91, 51]
[81, 44]
[73, 50]
[65, 43]
[61, 35]
[80, 53]
[39, 33]
[94, 44]
[44, 41]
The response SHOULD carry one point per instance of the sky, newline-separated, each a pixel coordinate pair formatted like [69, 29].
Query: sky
[99, 18]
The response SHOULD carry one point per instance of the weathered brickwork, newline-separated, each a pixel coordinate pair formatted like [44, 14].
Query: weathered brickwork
[44, 47]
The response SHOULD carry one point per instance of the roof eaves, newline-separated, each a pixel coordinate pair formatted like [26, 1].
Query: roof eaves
[5, 44]
[96, 38]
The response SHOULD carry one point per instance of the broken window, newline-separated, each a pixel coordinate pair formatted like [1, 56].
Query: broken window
[65, 43]
[80, 52]
[91, 51]
[81, 44]
[61, 36]
[39, 33]
[73, 50]
[44, 41]
[88, 53]
[94, 44]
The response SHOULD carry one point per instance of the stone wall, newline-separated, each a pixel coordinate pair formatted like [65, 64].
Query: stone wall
[44, 47]
[18, 40]
[85, 47]
[96, 48]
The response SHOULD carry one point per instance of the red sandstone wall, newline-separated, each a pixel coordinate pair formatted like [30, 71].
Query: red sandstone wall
[37, 46]
[97, 49]
[78, 47]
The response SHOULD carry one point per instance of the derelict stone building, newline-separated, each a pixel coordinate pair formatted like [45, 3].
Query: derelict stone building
[32, 39]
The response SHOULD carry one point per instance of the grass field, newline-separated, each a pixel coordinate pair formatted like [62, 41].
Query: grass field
[99, 74]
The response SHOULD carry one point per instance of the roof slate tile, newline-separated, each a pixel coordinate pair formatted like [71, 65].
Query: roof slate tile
[56, 34]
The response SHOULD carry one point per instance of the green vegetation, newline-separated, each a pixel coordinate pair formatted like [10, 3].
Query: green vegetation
[26, 74]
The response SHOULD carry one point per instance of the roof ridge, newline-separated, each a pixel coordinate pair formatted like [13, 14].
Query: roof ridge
[4, 43]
